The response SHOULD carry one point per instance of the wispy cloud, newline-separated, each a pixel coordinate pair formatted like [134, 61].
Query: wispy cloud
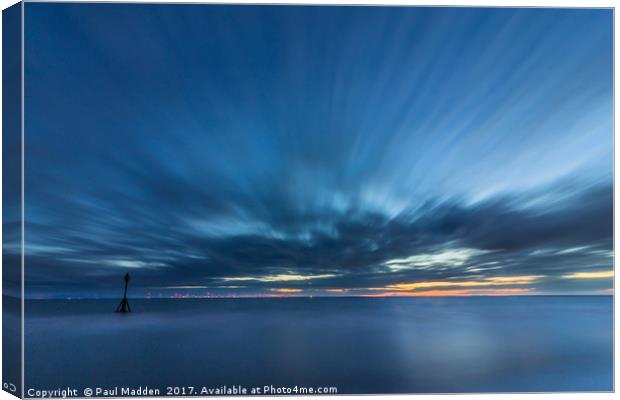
[573, 250]
[278, 278]
[445, 258]
[133, 263]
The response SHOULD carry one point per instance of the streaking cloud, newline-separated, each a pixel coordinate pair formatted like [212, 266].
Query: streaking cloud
[278, 278]
[317, 149]
[446, 258]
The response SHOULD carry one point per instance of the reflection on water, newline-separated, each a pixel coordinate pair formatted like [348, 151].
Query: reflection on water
[379, 345]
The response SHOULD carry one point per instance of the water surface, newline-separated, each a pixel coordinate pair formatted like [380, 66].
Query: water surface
[359, 345]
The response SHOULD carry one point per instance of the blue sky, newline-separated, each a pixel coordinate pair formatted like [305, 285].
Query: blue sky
[273, 150]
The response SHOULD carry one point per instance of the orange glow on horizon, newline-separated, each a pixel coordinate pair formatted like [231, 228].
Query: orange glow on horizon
[492, 281]
[457, 292]
[286, 290]
[590, 275]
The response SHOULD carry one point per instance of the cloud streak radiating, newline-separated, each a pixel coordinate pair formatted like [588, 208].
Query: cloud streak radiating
[255, 150]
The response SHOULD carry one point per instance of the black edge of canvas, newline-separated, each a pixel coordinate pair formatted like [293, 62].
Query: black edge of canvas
[12, 199]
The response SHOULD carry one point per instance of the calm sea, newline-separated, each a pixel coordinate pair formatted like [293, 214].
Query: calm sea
[358, 345]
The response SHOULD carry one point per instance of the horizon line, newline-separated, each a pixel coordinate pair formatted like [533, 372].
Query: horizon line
[311, 297]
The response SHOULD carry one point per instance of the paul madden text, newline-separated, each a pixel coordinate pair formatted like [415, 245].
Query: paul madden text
[177, 391]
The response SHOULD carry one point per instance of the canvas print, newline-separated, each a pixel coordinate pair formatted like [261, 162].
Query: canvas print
[231, 199]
